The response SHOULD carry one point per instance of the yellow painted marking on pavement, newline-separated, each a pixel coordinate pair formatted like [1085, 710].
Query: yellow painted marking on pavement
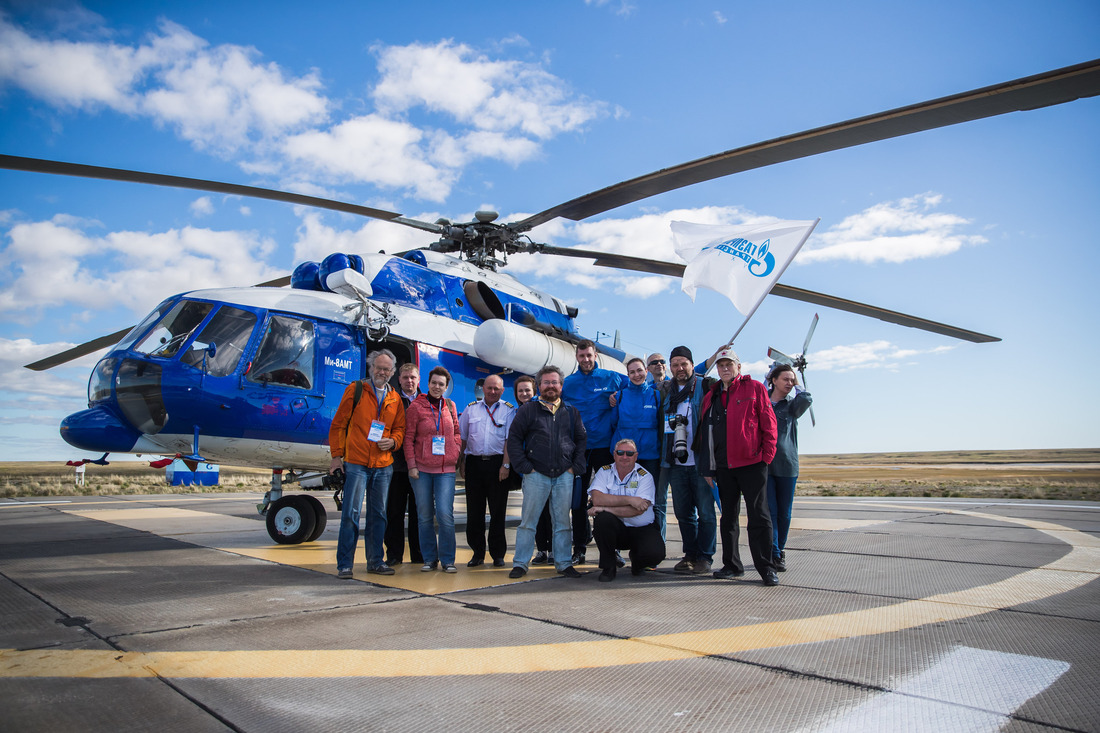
[1077, 568]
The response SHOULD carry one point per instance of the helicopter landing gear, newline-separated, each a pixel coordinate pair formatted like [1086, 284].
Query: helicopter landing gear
[321, 515]
[292, 520]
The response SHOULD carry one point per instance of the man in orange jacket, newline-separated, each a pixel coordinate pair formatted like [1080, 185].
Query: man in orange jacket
[368, 427]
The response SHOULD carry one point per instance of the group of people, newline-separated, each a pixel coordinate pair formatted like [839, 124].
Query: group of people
[595, 454]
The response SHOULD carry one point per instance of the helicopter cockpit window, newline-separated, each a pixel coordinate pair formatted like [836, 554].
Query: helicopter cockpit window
[172, 331]
[139, 329]
[229, 331]
[286, 354]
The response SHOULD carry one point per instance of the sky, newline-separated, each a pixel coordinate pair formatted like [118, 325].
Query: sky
[439, 109]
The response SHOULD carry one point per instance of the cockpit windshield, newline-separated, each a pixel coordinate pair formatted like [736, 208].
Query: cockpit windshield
[229, 331]
[173, 330]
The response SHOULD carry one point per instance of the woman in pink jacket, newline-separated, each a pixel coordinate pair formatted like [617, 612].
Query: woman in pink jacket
[431, 450]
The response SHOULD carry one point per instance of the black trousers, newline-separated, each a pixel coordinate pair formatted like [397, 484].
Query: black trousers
[752, 483]
[484, 488]
[595, 459]
[544, 534]
[647, 549]
[399, 501]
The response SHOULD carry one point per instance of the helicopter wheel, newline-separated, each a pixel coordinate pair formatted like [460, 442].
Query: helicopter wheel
[321, 515]
[290, 520]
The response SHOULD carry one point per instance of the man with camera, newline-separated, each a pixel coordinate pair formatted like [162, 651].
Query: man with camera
[369, 425]
[692, 499]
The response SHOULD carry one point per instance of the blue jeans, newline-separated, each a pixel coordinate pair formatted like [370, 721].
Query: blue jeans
[537, 489]
[435, 504]
[373, 484]
[693, 502]
[780, 501]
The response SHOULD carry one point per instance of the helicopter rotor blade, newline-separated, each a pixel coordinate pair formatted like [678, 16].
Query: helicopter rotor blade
[779, 356]
[809, 335]
[88, 347]
[1031, 92]
[673, 269]
[55, 167]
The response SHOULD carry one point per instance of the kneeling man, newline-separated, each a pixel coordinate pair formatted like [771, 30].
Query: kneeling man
[622, 513]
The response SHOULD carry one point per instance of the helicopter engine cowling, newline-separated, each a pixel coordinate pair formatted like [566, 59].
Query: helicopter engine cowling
[523, 350]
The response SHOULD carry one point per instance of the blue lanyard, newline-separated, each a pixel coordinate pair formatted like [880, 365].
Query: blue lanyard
[438, 417]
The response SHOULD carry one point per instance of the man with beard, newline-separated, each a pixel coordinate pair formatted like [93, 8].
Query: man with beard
[546, 446]
[368, 427]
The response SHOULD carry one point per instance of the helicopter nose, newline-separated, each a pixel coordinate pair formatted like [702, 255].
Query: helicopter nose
[98, 430]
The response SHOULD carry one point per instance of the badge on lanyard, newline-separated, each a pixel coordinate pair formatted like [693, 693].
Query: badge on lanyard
[377, 427]
[439, 445]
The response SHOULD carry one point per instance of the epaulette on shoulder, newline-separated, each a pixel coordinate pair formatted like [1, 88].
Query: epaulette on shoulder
[605, 468]
[642, 471]
[472, 404]
[508, 403]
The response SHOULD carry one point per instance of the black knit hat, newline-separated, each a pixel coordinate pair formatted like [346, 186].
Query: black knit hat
[681, 351]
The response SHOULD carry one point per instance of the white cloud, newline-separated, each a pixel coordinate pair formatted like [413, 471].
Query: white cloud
[488, 95]
[202, 206]
[53, 390]
[56, 262]
[893, 231]
[376, 150]
[868, 355]
[215, 97]
[317, 240]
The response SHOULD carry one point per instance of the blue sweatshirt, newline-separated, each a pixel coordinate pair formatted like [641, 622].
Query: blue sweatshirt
[591, 395]
[636, 417]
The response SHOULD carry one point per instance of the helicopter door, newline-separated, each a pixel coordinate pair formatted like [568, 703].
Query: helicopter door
[284, 382]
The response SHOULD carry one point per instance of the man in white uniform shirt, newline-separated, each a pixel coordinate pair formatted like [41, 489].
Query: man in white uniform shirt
[484, 425]
[622, 513]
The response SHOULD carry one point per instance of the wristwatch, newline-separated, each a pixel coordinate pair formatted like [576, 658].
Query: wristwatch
[506, 465]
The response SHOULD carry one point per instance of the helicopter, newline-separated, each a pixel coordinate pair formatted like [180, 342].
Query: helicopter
[252, 376]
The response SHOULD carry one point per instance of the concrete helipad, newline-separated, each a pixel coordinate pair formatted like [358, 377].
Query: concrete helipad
[178, 613]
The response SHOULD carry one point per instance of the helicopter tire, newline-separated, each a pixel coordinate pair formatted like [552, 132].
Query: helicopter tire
[321, 515]
[290, 520]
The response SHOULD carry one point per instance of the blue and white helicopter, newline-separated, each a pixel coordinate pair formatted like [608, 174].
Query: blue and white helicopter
[252, 376]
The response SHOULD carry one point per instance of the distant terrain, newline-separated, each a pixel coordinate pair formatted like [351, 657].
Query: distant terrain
[1023, 474]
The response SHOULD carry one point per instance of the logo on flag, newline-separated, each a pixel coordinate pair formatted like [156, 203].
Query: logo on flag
[740, 262]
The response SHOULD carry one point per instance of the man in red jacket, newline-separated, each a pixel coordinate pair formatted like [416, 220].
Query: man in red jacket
[737, 434]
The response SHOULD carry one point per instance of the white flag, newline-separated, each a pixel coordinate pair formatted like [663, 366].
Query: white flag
[740, 262]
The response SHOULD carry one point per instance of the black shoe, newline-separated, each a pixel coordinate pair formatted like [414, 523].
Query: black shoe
[578, 558]
[541, 558]
[607, 575]
[770, 578]
[727, 573]
[393, 561]
[570, 572]
[636, 571]
[498, 563]
[475, 562]
[619, 560]
[780, 562]
[517, 572]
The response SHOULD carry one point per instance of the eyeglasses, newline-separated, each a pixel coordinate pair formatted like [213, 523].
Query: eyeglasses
[624, 452]
[657, 361]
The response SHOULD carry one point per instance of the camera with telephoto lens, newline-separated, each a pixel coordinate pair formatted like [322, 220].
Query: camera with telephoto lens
[335, 481]
[679, 425]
